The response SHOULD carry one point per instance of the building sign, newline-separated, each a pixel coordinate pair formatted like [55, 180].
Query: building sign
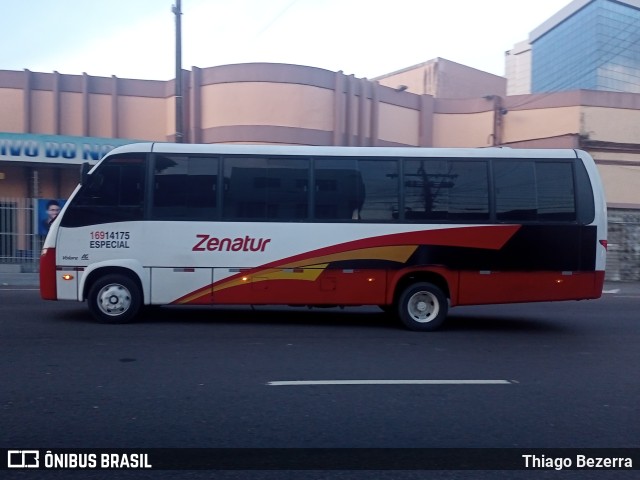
[58, 149]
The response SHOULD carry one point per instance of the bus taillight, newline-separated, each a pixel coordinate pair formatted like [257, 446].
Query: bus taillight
[48, 289]
[604, 243]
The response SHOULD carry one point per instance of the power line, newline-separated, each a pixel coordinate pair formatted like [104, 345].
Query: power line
[275, 19]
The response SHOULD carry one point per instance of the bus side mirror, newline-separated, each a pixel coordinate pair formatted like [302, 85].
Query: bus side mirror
[84, 172]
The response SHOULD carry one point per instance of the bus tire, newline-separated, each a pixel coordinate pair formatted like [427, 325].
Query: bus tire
[114, 299]
[422, 307]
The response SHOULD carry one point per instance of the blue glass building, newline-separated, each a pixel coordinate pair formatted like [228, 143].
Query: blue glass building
[590, 44]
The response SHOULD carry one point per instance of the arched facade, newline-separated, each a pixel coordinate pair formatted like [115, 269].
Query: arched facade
[51, 122]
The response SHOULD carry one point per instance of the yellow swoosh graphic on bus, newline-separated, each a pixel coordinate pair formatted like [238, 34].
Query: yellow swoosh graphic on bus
[309, 273]
[398, 254]
[308, 269]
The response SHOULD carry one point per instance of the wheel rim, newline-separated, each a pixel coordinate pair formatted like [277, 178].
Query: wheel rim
[423, 307]
[114, 299]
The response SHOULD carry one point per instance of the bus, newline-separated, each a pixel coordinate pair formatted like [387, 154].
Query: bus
[414, 231]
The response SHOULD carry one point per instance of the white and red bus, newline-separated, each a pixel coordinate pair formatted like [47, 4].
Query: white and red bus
[414, 231]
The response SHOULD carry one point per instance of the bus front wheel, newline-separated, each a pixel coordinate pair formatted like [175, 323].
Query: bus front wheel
[422, 307]
[114, 299]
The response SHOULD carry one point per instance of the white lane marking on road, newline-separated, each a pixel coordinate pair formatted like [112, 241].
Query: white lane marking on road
[389, 382]
[3, 289]
[614, 290]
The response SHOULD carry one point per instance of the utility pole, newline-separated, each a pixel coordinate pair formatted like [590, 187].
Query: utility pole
[177, 10]
[498, 112]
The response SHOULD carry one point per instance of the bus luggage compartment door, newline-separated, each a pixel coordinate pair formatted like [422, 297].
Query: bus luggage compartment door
[182, 285]
[313, 285]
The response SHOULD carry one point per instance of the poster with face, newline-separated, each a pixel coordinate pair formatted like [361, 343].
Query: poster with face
[48, 210]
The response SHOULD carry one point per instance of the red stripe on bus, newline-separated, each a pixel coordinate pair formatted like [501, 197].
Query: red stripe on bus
[484, 288]
[492, 237]
[335, 287]
[360, 287]
[48, 289]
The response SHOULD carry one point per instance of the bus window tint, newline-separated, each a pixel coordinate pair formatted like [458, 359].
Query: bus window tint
[339, 189]
[534, 191]
[446, 190]
[117, 184]
[265, 188]
[113, 193]
[185, 188]
[556, 195]
[380, 180]
[585, 208]
[356, 189]
[515, 190]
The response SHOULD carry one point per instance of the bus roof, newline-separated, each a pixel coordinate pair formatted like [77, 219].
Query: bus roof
[295, 150]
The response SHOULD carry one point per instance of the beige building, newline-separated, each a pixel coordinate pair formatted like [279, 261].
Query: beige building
[289, 104]
[442, 78]
[50, 122]
[518, 69]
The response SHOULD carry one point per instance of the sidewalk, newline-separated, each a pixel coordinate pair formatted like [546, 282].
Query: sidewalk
[32, 280]
[19, 280]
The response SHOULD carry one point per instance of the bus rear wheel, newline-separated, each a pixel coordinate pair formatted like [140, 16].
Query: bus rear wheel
[114, 299]
[422, 307]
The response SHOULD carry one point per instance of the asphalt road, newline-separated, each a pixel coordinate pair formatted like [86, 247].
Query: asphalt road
[556, 375]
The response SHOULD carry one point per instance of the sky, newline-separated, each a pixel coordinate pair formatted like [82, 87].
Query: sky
[366, 38]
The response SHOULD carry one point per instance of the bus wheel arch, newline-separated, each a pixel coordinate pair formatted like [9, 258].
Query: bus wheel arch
[113, 294]
[422, 301]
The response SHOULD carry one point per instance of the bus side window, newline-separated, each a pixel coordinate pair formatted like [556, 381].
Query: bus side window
[113, 193]
[555, 191]
[534, 190]
[439, 189]
[379, 190]
[339, 189]
[266, 188]
[185, 188]
[515, 190]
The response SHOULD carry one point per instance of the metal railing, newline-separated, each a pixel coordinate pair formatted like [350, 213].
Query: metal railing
[20, 236]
